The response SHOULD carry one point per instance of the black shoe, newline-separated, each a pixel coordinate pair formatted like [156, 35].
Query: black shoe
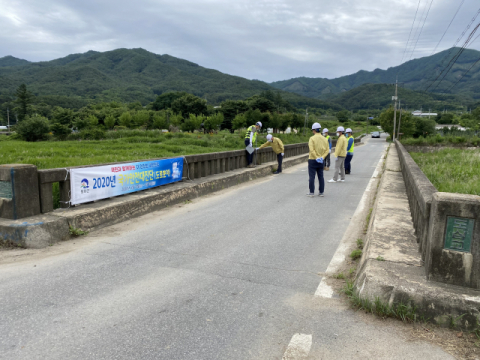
[277, 172]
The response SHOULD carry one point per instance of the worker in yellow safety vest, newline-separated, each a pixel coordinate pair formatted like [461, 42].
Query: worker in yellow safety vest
[250, 140]
[327, 159]
[350, 147]
[340, 154]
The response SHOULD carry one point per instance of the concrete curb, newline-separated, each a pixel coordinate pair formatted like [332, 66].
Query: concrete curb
[391, 267]
[44, 230]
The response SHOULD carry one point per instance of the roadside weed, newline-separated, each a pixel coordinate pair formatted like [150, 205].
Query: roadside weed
[76, 232]
[356, 254]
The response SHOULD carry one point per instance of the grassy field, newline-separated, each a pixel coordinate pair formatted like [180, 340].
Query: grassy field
[452, 170]
[124, 146]
[464, 140]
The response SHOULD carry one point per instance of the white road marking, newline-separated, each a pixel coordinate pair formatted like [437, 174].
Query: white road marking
[298, 348]
[324, 290]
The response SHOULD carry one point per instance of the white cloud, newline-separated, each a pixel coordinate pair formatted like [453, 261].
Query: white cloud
[264, 39]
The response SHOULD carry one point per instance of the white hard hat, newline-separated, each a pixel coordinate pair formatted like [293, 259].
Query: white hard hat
[340, 128]
[348, 130]
[325, 130]
[269, 137]
[259, 124]
[316, 126]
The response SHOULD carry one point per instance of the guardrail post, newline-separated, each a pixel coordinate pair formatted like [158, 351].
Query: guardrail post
[19, 191]
[64, 194]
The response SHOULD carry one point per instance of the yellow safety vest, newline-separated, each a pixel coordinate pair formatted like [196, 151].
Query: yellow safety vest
[328, 139]
[353, 144]
[249, 130]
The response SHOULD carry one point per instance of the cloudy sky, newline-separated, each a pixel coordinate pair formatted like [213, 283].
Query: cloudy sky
[257, 39]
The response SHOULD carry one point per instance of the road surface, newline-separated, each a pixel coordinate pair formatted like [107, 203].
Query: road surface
[228, 276]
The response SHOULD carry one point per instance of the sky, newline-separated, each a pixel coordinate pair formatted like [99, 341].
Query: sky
[268, 40]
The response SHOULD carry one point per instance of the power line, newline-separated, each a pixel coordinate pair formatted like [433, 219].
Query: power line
[418, 25]
[465, 73]
[448, 27]
[415, 17]
[454, 59]
[450, 51]
[424, 20]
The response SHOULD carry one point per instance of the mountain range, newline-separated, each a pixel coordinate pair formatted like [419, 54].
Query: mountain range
[129, 75]
[417, 74]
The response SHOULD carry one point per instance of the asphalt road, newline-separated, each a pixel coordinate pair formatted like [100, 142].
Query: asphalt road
[228, 276]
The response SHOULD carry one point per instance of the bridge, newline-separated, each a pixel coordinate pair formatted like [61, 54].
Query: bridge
[235, 274]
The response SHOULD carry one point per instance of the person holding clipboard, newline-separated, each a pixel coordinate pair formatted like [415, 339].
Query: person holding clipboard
[250, 139]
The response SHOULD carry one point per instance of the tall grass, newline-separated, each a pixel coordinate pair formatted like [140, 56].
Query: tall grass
[128, 145]
[452, 170]
[465, 140]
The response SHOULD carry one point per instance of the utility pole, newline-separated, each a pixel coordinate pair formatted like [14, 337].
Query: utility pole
[395, 110]
[8, 119]
[399, 120]
[305, 125]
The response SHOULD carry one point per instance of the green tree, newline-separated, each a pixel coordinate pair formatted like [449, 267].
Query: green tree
[81, 123]
[190, 104]
[239, 122]
[192, 123]
[343, 116]
[407, 124]
[230, 109]
[213, 122]
[174, 119]
[275, 121]
[262, 104]
[445, 118]
[63, 116]
[141, 118]
[253, 116]
[23, 101]
[286, 121]
[164, 101]
[60, 131]
[423, 127]
[126, 119]
[297, 121]
[93, 120]
[33, 128]
[160, 121]
[109, 121]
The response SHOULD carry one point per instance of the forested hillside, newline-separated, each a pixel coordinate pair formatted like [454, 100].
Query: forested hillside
[379, 96]
[127, 76]
[416, 74]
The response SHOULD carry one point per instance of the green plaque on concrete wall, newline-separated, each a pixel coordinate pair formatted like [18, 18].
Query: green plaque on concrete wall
[459, 234]
[5, 189]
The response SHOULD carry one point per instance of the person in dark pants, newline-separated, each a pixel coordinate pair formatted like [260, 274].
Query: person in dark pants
[250, 138]
[277, 147]
[329, 139]
[350, 147]
[318, 151]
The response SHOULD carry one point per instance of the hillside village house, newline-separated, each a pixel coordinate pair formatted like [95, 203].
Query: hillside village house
[422, 114]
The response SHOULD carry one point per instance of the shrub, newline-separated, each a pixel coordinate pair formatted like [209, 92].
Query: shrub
[93, 120]
[33, 128]
[109, 122]
[60, 131]
[126, 120]
[81, 124]
[74, 136]
[159, 121]
[93, 134]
